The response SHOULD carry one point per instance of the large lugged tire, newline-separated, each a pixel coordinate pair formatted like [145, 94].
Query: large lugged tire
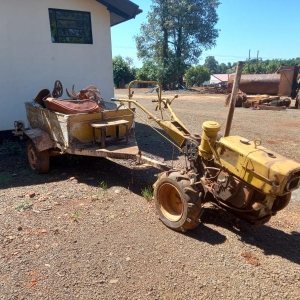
[177, 202]
[38, 161]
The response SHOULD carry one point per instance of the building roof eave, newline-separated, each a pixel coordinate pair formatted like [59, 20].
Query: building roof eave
[120, 10]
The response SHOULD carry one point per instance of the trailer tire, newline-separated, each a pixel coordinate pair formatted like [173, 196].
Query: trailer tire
[38, 161]
[178, 204]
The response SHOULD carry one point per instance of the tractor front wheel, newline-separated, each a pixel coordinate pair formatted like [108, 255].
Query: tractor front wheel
[38, 161]
[177, 202]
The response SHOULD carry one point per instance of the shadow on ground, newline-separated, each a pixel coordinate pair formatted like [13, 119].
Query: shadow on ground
[271, 240]
[15, 170]
[153, 142]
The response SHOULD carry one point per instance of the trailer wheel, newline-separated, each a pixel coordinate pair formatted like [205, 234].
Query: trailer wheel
[38, 161]
[177, 202]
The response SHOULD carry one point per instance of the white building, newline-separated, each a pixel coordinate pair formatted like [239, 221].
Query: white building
[216, 79]
[47, 40]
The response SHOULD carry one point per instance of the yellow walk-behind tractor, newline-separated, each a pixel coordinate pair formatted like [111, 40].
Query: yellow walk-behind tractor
[238, 175]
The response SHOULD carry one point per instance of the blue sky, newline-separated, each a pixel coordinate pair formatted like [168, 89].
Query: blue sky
[267, 26]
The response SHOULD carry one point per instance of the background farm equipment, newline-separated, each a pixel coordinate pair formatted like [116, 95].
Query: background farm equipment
[213, 90]
[259, 101]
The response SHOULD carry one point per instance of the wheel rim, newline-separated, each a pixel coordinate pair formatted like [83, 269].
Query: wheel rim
[170, 202]
[32, 158]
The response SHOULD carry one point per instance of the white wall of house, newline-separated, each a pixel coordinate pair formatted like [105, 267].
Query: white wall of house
[211, 81]
[29, 61]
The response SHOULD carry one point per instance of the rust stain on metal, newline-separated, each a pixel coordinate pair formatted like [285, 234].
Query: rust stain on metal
[257, 83]
[41, 139]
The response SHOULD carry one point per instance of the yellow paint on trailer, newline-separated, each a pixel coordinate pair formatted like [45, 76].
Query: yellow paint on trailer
[69, 130]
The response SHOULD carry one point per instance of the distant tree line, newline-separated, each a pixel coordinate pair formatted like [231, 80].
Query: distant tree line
[124, 71]
[252, 66]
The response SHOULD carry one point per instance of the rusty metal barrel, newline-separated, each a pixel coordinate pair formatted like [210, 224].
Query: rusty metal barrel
[257, 83]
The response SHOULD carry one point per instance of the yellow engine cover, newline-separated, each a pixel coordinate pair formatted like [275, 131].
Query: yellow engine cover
[265, 170]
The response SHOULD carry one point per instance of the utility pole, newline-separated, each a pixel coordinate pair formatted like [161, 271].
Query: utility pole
[257, 61]
[249, 62]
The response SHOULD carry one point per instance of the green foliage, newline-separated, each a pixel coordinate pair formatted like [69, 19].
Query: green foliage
[23, 205]
[147, 193]
[102, 191]
[250, 66]
[224, 69]
[123, 73]
[149, 71]
[267, 66]
[197, 75]
[211, 64]
[104, 187]
[175, 34]
[75, 216]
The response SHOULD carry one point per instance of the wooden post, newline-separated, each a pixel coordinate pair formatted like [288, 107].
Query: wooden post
[234, 92]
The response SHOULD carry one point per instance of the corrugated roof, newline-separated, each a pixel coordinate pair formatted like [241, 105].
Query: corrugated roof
[120, 10]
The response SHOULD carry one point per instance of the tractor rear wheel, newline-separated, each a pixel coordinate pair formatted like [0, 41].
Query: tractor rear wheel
[177, 202]
[38, 161]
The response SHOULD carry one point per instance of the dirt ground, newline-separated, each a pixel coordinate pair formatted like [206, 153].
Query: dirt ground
[84, 231]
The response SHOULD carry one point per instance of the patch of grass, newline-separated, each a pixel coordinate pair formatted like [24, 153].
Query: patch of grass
[76, 216]
[23, 205]
[102, 191]
[147, 193]
[103, 185]
[11, 148]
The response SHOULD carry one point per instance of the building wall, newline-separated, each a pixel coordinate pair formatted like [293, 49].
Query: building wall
[212, 80]
[29, 61]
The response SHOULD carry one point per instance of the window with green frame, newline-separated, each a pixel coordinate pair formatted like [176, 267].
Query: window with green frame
[70, 26]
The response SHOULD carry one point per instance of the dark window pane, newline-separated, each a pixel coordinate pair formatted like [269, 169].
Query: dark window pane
[69, 26]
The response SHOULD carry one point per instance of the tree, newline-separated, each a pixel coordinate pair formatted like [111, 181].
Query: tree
[211, 64]
[222, 68]
[129, 61]
[149, 71]
[176, 33]
[122, 72]
[197, 75]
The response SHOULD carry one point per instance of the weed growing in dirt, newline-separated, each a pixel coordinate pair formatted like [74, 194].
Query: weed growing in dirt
[75, 217]
[104, 187]
[10, 147]
[23, 205]
[147, 193]
[102, 191]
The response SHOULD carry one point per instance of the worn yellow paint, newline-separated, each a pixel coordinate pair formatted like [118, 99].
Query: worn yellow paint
[265, 170]
[69, 130]
[209, 136]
